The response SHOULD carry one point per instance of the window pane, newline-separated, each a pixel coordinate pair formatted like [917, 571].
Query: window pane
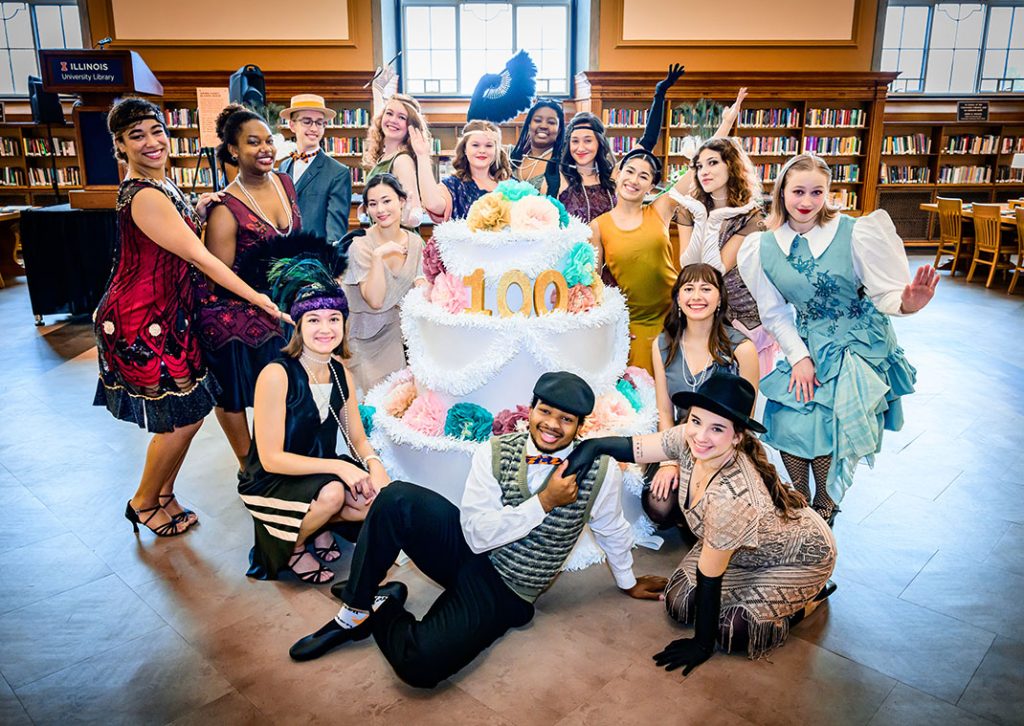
[19, 25]
[72, 26]
[999, 27]
[1017, 35]
[417, 23]
[989, 85]
[965, 67]
[552, 64]
[442, 28]
[915, 25]
[943, 27]
[48, 24]
[893, 27]
[418, 63]
[972, 23]
[1015, 64]
[910, 63]
[890, 60]
[24, 62]
[442, 64]
[529, 28]
[6, 84]
[994, 62]
[939, 65]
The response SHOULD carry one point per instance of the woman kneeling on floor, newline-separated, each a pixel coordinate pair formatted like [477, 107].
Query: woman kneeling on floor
[763, 557]
[295, 484]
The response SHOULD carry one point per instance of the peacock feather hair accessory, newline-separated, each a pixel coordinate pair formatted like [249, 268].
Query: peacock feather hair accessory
[308, 282]
[499, 97]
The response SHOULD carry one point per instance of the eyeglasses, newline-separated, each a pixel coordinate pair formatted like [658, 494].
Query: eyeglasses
[307, 122]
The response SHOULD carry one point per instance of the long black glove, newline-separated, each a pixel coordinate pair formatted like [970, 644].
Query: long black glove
[689, 653]
[583, 456]
[655, 117]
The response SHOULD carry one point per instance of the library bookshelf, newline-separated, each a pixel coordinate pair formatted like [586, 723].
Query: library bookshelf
[27, 159]
[927, 153]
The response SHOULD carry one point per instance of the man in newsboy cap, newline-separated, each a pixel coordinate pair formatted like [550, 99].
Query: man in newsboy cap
[519, 520]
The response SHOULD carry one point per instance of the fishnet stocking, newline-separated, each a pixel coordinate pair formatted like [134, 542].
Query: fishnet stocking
[800, 469]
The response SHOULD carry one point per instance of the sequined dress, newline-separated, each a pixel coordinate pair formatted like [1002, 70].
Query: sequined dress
[587, 202]
[151, 369]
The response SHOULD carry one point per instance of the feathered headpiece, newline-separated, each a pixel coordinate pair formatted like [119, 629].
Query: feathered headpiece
[308, 282]
[499, 97]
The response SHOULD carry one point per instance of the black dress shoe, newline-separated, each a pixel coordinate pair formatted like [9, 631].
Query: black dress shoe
[830, 587]
[395, 589]
[327, 638]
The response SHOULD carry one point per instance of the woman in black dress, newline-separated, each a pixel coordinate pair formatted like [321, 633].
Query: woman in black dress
[295, 484]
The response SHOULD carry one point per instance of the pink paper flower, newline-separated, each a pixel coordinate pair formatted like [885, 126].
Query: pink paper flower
[612, 413]
[432, 263]
[400, 398]
[637, 375]
[426, 414]
[581, 299]
[534, 213]
[507, 421]
[450, 293]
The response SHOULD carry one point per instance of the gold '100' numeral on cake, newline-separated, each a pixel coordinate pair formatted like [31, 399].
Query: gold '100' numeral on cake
[532, 303]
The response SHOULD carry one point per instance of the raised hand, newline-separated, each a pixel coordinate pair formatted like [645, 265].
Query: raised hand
[733, 112]
[803, 379]
[675, 72]
[920, 290]
[418, 142]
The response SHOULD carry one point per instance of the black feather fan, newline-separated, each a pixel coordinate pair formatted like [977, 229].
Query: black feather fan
[499, 97]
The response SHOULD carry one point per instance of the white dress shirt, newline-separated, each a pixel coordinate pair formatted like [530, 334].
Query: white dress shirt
[879, 262]
[299, 167]
[487, 524]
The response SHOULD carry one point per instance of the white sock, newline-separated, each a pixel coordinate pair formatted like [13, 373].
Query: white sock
[350, 617]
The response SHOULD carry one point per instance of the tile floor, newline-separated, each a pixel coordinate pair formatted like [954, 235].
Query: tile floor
[96, 625]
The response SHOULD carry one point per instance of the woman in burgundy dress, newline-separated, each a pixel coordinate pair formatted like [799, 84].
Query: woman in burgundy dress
[151, 370]
[257, 209]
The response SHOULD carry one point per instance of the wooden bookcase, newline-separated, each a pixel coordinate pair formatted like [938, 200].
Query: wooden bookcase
[935, 155]
[838, 116]
[25, 158]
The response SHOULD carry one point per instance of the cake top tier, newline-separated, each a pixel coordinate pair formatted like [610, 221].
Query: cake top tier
[513, 227]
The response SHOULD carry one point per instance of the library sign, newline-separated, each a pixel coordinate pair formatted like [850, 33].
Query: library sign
[86, 71]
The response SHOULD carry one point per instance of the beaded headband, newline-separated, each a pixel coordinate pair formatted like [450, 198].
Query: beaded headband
[318, 297]
[135, 118]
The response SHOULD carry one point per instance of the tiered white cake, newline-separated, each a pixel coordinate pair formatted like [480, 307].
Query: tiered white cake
[513, 294]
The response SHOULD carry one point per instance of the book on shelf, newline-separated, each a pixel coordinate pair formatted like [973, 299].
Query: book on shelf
[43, 176]
[845, 173]
[768, 172]
[358, 174]
[832, 145]
[41, 147]
[905, 174]
[184, 176]
[965, 174]
[971, 144]
[9, 146]
[184, 145]
[350, 118]
[344, 145]
[11, 177]
[770, 145]
[908, 144]
[1009, 175]
[1012, 145]
[181, 117]
[623, 144]
[843, 198]
[839, 117]
[635, 117]
[788, 118]
[674, 168]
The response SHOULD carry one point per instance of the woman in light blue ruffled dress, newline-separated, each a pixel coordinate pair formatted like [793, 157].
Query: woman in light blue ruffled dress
[840, 383]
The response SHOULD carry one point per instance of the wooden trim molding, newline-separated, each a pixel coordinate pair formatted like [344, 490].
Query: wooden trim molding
[332, 85]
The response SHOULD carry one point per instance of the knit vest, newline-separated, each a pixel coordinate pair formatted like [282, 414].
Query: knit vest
[530, 564]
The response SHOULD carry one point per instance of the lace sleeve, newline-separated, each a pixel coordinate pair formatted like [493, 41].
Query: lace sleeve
[673, 445]
[730, 519]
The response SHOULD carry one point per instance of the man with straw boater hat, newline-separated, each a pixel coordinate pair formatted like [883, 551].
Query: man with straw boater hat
[323, 185]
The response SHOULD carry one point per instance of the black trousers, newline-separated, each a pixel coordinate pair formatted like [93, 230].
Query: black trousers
[475, 609]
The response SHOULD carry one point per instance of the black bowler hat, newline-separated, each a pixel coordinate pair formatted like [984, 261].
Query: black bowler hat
[727, 395]
[566, 392]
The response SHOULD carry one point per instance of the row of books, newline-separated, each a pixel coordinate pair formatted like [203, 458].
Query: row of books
[43, 176]
[971, 144]
[832, 145]
[1009, 175]
[965, 174]
[358, 174]
[624, 117]
[836, 117]
[685, 117]
[846, 173]
[181, 117]
[346, 118]
[1012, 145]
[41, 147]
[905, 174]
[770, 145]
[622, 144]
[351, 118]
[344, 145]
[184, 145]
[9, 146]
[909, 144]
[11, 177]
[843, 198]
[768, 172]
[184, 175]
[774, 117]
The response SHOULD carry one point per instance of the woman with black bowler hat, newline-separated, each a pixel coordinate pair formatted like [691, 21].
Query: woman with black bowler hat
[763, 557]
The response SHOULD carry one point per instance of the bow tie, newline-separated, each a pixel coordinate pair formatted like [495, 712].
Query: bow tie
[543, 459]
[306, 156]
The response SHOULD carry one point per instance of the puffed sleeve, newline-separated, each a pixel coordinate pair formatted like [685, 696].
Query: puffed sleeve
[880, 261]
[359, 259]
[776, 314]
[730, 519]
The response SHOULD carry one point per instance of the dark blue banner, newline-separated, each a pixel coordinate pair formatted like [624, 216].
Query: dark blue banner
[91, 71]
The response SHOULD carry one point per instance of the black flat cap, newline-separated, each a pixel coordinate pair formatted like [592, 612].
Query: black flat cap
[566, 392]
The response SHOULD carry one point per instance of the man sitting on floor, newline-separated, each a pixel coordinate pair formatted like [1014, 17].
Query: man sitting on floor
[520, 520]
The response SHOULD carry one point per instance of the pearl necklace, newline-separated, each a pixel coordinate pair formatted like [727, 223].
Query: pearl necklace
[320, 402]
[254, 205]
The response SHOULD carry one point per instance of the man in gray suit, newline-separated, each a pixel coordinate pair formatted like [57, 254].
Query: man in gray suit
[324, 185]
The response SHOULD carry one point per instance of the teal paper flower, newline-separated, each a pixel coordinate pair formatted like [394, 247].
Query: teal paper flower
[366, 416]
[626, 389]
[513, 190]
[469, 422]
[563, 214]
[578, 265]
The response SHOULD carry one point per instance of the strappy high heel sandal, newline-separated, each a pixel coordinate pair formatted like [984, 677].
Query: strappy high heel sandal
[185, 515]
[313, 577]
[167, 529]
[330, 553]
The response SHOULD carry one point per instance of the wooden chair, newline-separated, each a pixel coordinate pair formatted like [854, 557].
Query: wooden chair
[1019, 266]
[988, 241]
[951, 239]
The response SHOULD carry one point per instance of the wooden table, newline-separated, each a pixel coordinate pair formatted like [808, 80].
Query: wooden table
[1007, 216]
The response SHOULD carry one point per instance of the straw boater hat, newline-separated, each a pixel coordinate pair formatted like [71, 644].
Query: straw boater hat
[308, 102]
